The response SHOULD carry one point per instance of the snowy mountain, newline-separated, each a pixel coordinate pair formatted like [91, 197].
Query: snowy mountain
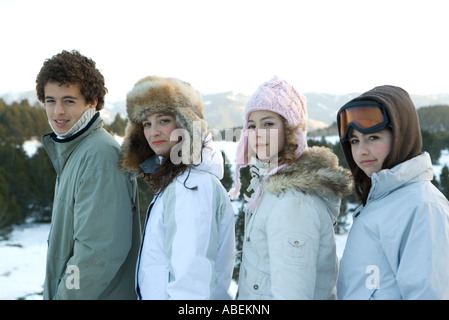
[11, 97]
[224, 110]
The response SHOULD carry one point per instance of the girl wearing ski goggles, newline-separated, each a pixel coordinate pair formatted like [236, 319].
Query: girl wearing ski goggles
[398, 245]
[363, 124]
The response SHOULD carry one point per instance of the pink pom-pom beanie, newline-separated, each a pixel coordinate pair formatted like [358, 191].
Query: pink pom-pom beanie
[280, 97]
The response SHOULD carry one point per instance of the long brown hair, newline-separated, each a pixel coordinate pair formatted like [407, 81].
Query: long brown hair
[161, 178]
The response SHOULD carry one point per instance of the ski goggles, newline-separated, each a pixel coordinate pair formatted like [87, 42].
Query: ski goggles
[364, 116]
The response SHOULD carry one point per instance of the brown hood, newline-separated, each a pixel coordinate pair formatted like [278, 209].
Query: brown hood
[407, 141]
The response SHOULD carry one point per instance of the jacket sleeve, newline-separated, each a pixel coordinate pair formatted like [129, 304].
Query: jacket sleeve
[422, 272]
[293, 231]
[102, 233]
[192, 220]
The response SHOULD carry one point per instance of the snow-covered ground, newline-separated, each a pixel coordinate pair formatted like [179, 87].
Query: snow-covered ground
[22, 262]
[23, 254]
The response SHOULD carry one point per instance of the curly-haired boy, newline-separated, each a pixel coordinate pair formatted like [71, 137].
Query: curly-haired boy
[95, 232]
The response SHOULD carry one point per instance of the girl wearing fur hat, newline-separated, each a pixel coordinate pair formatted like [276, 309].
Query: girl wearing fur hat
[398, 245]
[289, 249]
[187, 249]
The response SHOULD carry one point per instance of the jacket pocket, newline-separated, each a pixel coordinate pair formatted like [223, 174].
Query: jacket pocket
[295, 250]
[254, 284]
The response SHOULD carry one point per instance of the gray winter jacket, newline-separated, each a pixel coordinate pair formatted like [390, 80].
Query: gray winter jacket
[95, 230]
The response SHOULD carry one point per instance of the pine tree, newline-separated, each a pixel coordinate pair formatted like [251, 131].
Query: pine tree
[226, 181]
[239, 238]
[444, 181]
[14, 183]
[245, 178]
[431, 144]
[118, 126]
[9, 210]
[42, 181]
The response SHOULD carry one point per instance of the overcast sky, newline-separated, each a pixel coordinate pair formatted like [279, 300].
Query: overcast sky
[317, 45]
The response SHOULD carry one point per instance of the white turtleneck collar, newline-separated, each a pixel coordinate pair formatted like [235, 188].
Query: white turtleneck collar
[78, 126]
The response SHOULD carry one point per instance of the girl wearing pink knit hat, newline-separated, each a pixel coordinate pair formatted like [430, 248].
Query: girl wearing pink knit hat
[289, 249]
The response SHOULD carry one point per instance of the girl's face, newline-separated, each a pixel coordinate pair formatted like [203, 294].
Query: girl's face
[369, 151]
[157, 129]
[266, 135]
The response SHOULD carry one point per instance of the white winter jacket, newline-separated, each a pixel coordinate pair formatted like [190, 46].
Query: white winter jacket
[187, 249]
[398, 245]
[289, 249]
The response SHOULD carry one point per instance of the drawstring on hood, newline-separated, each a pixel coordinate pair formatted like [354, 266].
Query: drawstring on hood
[259, 172]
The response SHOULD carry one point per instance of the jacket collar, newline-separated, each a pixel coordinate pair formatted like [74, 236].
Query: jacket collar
[59, 150]
[55, 138]
[385, 181]
[315, 172]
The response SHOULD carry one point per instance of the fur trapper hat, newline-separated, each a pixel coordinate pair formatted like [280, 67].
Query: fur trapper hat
[152, 95]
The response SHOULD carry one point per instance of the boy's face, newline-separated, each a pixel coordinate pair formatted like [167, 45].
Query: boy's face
[64, 105]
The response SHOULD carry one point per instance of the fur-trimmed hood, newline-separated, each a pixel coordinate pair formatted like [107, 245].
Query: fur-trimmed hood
[152, 95]
[316, 172]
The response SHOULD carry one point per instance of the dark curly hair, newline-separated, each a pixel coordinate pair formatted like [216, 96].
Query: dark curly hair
[73, 68]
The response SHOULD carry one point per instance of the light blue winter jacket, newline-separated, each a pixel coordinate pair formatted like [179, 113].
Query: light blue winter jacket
[398, 245]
